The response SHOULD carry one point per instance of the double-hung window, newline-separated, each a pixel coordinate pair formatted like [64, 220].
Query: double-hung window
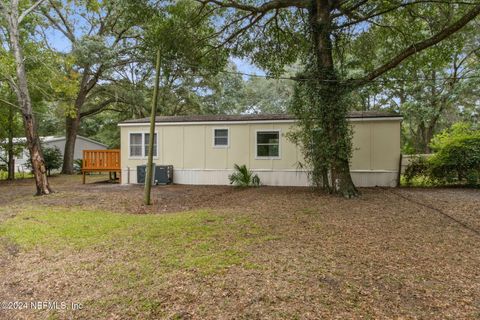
[268, 144]
[220, 138]
[146, 139]
[139, 144]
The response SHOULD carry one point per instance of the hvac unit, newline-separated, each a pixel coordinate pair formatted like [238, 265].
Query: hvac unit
[142, 173]
[163, 174]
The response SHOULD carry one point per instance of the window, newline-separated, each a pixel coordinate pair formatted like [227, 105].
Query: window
[147, 141]
[220, 137]
[139, 144]
[268, 144]
[135, 144]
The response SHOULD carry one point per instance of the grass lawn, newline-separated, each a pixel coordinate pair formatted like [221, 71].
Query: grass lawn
[128, 252]
[224, 253]
[18, 175]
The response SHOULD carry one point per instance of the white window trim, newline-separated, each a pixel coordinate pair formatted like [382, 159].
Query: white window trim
[228, 138]
[143, 156]
[257, 157]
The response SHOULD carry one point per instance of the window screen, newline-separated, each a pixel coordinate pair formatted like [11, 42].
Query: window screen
[135, 144]
[147, 141]
[220, 138]
[268, 143]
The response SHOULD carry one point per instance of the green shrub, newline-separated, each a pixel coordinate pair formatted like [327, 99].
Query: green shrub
[457, 156]
[53, 158]
[242, 177]
[77, 165]
[418, 167]
[456, 159]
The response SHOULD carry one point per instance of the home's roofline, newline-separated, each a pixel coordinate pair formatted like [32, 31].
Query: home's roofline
[78, 137]
[92, 141]
[47, 139]
[256, 118]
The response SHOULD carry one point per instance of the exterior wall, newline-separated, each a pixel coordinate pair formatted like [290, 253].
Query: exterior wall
[80, 145]
[189, 148]
[20, 160]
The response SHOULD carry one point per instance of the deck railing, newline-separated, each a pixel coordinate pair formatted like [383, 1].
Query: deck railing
[101, 160]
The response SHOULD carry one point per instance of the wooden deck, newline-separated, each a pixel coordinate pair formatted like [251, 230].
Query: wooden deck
[101, 161]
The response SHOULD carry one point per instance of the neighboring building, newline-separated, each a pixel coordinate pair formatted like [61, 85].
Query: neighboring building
[81, 144]
[204, 149]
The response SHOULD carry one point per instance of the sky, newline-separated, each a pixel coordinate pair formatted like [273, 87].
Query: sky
[59, 42]
[245, 66]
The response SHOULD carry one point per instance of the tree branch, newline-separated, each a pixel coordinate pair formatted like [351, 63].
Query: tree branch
[67, 31]
[27, 11]
[239, 31]
[97, 108]
[9, 103]
[373, 13]
[268, 6]
[419, 46]
[349, 11]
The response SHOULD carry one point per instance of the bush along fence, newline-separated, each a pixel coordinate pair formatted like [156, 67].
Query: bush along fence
[456, 160]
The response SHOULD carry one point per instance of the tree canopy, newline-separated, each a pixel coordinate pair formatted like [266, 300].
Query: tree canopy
[89, 65]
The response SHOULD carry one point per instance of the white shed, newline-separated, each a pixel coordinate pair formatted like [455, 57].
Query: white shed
[81, 144]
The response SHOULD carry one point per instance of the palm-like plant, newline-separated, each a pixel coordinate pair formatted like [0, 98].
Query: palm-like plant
[242, 177]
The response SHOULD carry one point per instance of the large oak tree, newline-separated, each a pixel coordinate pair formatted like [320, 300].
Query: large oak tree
[320, 33]
[101, 38]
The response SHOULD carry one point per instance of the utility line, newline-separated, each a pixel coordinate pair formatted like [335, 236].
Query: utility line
[329, 80]
[446, 215]
[299, 78]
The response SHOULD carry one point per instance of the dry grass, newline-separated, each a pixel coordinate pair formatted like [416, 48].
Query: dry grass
[225, 253]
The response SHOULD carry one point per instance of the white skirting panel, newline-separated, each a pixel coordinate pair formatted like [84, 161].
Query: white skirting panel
[361, 178]
[220, 177]
[375, 178]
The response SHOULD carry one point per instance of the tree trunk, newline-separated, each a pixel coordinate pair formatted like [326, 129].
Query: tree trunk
[149, 173]
[73, 122]
[23, 97]
[425, 135]
[330, 90]
[36, 155]
[428, 136]
[11, 154]
[72, 125]
[11, 165]
[421, 142]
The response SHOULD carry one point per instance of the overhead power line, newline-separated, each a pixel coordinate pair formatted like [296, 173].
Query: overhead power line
[300, 78]
[353, 80]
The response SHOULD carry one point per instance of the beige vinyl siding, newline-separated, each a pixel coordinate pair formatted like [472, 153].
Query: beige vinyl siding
[189, 147]
[240, 149]
[171, 145]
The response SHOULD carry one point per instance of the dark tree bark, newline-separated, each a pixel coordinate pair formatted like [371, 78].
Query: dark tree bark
[72, 123]
[10, 151]
[71, 129]
[424, 134]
